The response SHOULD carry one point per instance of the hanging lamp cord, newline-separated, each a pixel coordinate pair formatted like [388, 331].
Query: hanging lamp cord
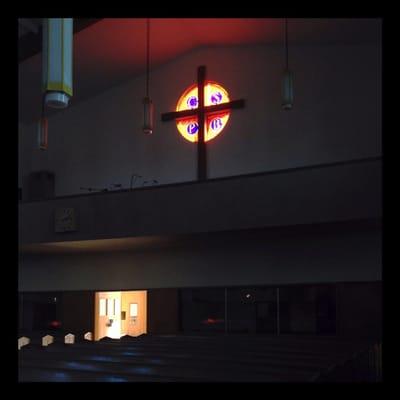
[286, 44]
[148, 57]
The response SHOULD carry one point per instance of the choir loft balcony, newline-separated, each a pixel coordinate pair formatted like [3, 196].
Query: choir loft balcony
[344, 191]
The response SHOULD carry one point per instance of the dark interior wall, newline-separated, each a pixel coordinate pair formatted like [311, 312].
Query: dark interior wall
[163, 311]
[359, 310]
[203, 309]
[39, 186]
[26, 314]
[37, 311]
[262, 257]
[78, 312]
[336, 117]
[20, 310]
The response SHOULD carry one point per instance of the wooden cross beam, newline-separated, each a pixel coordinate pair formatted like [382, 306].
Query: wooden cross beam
[201, 112]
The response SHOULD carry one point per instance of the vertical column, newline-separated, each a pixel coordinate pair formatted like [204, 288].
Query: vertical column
[21, 313]
[278, 322]
[226, 310]
[336, 310]
[201, 144]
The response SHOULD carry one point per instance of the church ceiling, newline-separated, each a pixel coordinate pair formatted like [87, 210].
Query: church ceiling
[110, 51]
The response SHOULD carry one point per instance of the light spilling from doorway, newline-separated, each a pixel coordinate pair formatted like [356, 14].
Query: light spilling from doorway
[120, 314]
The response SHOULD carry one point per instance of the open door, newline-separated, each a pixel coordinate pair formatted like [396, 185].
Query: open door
[134, 306]
[108, 315]
[120, 313]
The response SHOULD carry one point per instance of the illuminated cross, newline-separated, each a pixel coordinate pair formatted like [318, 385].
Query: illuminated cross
[201, 112]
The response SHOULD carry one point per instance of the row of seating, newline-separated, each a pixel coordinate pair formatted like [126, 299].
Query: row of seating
[49, 339]
[177, 358]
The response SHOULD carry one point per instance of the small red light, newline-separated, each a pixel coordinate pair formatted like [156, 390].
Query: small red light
[55, 324]
[210, 321]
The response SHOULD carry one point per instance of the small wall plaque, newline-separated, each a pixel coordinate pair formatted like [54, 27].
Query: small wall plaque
[65, 220]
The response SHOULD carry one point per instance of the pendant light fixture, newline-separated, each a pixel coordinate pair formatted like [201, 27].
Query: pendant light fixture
[57, 61]
[42, 128]
[57, 43]
[287, 84]
[148, 108]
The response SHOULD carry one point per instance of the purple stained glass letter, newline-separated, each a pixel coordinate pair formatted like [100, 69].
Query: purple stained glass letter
[192, 102]
[216, 97]
[216, 123]
[192, 128]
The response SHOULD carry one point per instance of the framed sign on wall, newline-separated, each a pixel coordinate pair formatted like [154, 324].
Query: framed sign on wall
[65, 220]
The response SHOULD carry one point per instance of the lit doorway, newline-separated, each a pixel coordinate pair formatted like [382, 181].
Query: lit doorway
[119, 314]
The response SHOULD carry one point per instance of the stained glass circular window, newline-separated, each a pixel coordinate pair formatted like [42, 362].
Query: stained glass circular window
[214, 123]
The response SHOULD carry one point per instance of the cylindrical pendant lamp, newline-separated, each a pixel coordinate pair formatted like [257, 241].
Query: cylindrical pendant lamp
[42, 133]
[148, 116]
[287, 90]
[287, 82]
[57, 61]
